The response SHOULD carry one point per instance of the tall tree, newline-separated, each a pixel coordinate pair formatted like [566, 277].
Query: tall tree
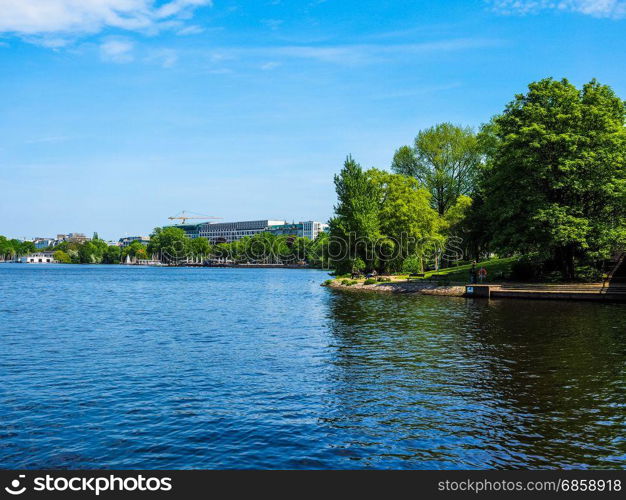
[445, 159]
[199, 247]
[112, 255]
[355, 226]
[170, 243]
[407, 221]
[556, 180]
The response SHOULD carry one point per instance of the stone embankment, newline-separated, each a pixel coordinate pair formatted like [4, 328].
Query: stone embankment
[400, 286]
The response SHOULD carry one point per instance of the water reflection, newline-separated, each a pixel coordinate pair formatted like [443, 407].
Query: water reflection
[445, 382]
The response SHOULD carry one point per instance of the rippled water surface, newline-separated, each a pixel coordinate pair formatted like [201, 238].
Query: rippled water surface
[128, 367]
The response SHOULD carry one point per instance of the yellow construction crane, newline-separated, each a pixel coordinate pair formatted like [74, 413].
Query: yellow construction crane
[184, 216]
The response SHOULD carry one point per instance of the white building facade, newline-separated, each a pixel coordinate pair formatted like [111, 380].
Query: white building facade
[38, 258]
[127, 240]
[227, 232]
[312, 229]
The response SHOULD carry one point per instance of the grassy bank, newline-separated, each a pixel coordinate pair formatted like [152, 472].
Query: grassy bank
[497, 270]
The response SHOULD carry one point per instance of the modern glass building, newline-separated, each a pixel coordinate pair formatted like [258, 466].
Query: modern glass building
[308, 229]
[227, 232]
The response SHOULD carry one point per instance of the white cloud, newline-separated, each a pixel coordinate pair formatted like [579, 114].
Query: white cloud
[351, 54]
[614, 9]
[117, 50]
[53, 43]
[270, 65]
[167, 58]
[193, 29]
[45, 17]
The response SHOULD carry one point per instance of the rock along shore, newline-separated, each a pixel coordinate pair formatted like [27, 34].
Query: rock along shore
[416, 287]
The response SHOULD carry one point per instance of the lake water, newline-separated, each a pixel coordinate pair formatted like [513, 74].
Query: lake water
[130, 367]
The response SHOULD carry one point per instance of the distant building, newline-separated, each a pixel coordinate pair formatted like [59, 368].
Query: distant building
[127, 240]
[72, 237]
[43, 242]
[38, 258]
[308, 229]
[227, 232]
[191, 230]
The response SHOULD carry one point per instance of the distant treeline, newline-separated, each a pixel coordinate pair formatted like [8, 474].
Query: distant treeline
[170, 245]
[10, 249]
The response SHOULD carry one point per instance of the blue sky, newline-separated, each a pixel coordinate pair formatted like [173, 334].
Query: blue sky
[115, 114]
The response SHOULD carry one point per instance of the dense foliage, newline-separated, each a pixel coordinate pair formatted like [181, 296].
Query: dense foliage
[445, 160]
[96, 251]
[545, 180]
[555, 182]
[380, 220]
[14, 248]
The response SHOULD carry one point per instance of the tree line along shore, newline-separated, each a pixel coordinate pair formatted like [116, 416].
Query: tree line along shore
[169, 245]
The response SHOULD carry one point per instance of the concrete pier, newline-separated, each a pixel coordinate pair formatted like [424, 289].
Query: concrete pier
[478, 291]
[573, 291]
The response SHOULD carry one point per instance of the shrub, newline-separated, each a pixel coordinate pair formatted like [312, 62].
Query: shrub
[411, 265]
[348, 282]
[327, 282]
[588, 274]
[358, 265]
[369, 281]
[62, 257]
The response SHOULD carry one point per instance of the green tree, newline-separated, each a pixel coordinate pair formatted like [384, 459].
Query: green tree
[135, 250]
[112, 255]
[170, 243]
[141, 254]
[456, 226]
[317, 253]
[264, 248]
[25, 247]
[409, 225]
[62, 257]
[8, 248]
[356, 224]
[199, 247]
[556, 177]
[91, 252]
[445, 159]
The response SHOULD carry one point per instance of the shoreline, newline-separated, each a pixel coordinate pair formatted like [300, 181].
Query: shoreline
[402, 287]
[592, 292]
